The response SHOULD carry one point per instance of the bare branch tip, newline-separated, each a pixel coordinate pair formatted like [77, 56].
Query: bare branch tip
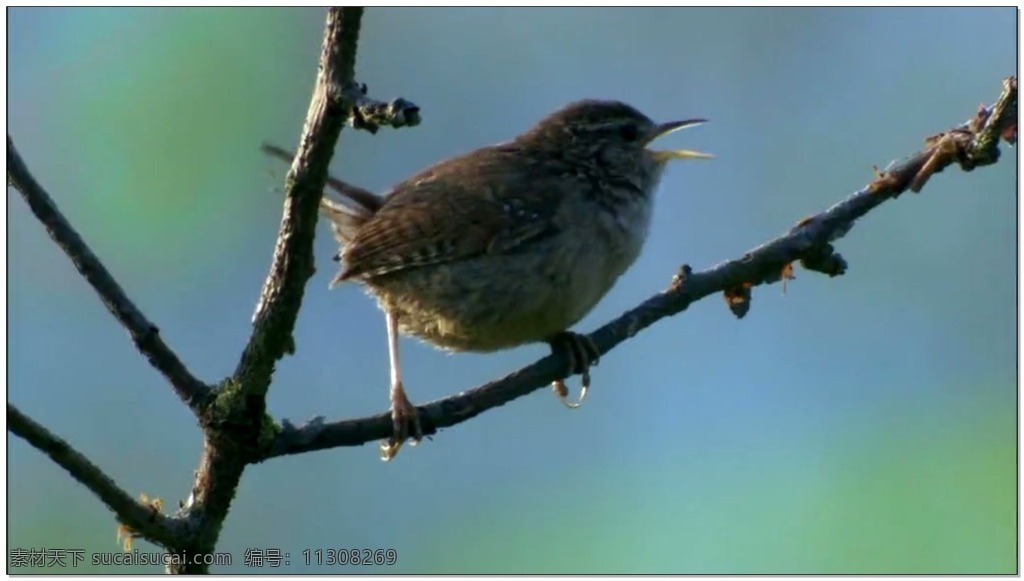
[370, 115]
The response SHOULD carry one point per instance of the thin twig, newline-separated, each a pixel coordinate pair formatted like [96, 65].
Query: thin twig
[369, 114]
[140, 518]
[808, 242]
[144, 334]
[996, 123]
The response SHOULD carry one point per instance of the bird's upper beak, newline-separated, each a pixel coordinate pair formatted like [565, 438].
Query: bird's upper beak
[665, 129]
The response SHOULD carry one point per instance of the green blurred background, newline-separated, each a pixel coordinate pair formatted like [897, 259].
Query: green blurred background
[864, 424]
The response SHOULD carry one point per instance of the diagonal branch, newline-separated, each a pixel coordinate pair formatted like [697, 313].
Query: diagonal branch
[144, 333]
[336, 99]
[972, 144]
[235, 424]
[292, 264]
[142, 519]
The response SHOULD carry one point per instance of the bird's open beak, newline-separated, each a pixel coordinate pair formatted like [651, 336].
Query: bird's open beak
[670, 127]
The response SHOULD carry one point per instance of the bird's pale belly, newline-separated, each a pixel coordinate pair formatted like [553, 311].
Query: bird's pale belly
[500, 301]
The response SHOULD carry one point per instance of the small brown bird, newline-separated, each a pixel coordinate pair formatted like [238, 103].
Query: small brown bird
[508, 244]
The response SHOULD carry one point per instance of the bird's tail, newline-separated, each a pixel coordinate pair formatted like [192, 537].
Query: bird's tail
[352, 207]
[346, 217]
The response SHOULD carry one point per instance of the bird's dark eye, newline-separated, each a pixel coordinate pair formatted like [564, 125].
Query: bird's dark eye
[629, 132]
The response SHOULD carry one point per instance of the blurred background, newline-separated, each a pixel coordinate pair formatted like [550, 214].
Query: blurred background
[863, 424]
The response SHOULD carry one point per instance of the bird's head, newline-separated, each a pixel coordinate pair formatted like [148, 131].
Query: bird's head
[610, 130]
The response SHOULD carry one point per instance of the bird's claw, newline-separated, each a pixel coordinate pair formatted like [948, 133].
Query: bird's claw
[583, 354]
[562, 392]
[403, 414]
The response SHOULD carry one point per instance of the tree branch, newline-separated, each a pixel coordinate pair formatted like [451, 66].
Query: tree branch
[336, 98]
[142, 519]
[235, 424]
[972, 144]
[143, 333]
[292, 264]
[232, 416]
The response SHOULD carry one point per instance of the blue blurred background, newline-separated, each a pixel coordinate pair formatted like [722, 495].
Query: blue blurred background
[863, 424]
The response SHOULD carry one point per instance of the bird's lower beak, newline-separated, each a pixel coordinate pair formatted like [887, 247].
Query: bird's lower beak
[670, 127]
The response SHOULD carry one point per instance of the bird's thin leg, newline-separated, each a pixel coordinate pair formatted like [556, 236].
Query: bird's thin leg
[582, 354]
[402, 411]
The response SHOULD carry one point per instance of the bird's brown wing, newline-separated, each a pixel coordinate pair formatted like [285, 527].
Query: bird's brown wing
[464, 207]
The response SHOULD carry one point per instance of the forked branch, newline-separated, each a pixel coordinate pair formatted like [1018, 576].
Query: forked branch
[231, 415]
